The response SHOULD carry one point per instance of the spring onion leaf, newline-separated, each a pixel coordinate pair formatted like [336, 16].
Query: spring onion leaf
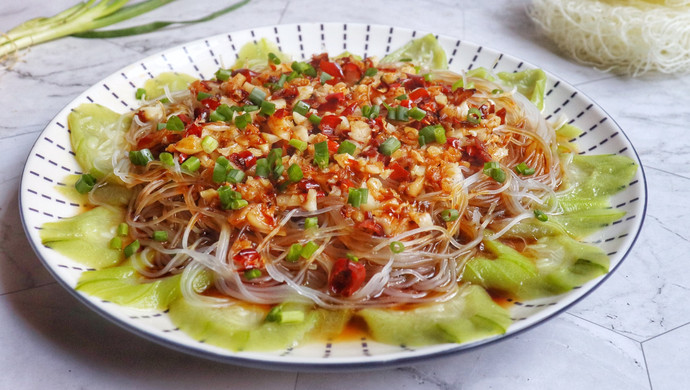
[252, 273]
[160, 236]
[389, 146]
[397, 247]
[450, 215]
[85, 183]
[192, 164]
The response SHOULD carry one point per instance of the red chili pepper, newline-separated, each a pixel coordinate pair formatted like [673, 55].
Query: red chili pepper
[246, 72]
[477, 152]
[211, 103]
[193, 129]
[399, 173]
[346, 277]
[182, 157]
[248, 259]
[351, 73]
[332, 102]
[371, 226]
[306, 184]
[185, 118]
[332, 69]
[418, 94]
[414, 81]
[406, 103]
[329, 123]
[332, 146]
[349, 110]
[244, 159]
[502, 114]
[280, 113]
[454, 142]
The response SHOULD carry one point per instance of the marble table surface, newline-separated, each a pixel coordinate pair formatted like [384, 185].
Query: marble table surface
[631, 333]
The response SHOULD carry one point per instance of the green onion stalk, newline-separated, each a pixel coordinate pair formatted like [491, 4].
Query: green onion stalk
[84, 19]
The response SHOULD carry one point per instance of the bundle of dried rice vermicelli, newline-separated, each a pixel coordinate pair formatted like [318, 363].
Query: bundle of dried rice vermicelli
[624, 36]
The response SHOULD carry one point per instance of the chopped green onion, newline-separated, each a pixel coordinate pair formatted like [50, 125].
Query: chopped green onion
[389, 146]
[370, 72]
[371, 112]
[417, 113]
[474, 116]
[274, 59]
[450, 215]
[325, 77]
[237, 204]
[293, 75]
[223, 113]
[428, 77]
[267, 108]
[494, 171]
[357, 196]
[275, 157]
[235, 176]
[541, 216]
[401, 97]
[262, 169]
[223, 74]
[290, 317]
[254, 272]
[140, 157]
[315, 119]
[165, 100]
[141, 92]
[308, 249]
[191, 164]
[321, 154]
[167, 159]
[303, 68]
[175, 123]
[496, 91]
[209, 144]
[230, 199]
[85, 183]
[440, 134]
[257, 96]
[219, 172]
[311, 222]
[202, 95]
[294, 253]
[295, 173]
[301, 108]
[397, 247]
[524, 170]
[402, 113]
[160, 126]
[116, 243]
[132, 248]
[123, 229]
[273, 314]
[461, 84]
[347, 147]
[281, 80]
[250, 108]
[241, 121]
[160, 235]
[298, 144]
[352, 257]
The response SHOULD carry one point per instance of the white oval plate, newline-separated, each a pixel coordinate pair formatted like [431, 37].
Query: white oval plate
[51, 160]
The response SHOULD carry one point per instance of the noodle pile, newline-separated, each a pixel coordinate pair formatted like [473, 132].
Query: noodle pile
[627, 36]
[409, 191]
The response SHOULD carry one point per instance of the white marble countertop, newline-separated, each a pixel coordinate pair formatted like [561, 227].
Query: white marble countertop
[631, 333]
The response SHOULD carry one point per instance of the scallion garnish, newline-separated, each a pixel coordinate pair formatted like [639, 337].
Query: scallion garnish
[308, 249]
[257, 96]
[352, 257]
[325, 77]
[428, 77]
[450, 215]
[541, 216]
[298, 144]
[321, 157]
[160, 126]
[304, 68]
[294, 253]
[234, 176]
[116, 243]
[267, 108]
[123, 229]
[474, 116]
[494, 171]
[417, 113]
[262, 169]
[371, 112]
[202, 95]
[295, 173]
[140, 157]
[397, 247]
[141, 92]
[167, 158]
[174, 123]
[132, 248]
[496, 91]
[160, 236]
[347, 147]
[209, 144]
[230, 199]
[254, 272]
[273, 59]
[241, 121]
[191, 164]
[315, 119]
[219, 173]
[301, 108]
[85, 183]
[524, 170]
[311, 222]
[370, 72]
[357, 196]
[249, 108]
[223, 74]
[401, 97]
[389, 146]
